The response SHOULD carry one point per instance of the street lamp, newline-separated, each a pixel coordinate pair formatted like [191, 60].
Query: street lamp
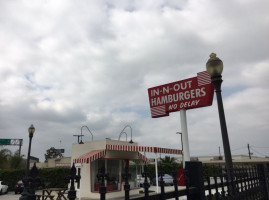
[83, 135]
[121, 135]
[131, 141]
[214, 67]
[26, 194]
[79, 136]
[183, 163]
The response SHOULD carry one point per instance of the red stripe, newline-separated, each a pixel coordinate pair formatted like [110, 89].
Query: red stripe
[140, 149]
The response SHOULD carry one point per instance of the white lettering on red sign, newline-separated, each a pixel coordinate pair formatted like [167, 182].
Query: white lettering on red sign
[186, 94]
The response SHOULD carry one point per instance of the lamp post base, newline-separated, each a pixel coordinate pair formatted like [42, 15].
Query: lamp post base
[25, 194]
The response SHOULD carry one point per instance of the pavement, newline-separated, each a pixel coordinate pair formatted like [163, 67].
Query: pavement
[12, 196]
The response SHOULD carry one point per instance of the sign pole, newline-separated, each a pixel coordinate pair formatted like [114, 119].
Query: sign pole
[156, 172]
[185, 139]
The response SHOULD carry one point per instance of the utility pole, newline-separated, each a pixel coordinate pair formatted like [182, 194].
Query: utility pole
[249, 154]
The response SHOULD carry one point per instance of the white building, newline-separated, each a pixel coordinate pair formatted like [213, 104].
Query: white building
[113, 156]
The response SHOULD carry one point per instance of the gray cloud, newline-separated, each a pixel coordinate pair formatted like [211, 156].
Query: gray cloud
[65, 65]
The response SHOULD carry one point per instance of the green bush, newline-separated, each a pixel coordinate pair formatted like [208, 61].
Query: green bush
[55, 177]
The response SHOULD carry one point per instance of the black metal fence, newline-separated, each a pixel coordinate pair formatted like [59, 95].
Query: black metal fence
[249, 182]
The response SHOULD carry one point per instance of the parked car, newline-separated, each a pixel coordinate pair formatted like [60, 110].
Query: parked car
[19, 187]
[168, 180]
[3, 187]
[140, 180]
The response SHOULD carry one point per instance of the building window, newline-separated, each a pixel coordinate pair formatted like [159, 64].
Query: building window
[113, 171]
[135, 170]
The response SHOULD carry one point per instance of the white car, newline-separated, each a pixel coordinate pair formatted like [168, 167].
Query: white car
[140, 180]
[3, 187]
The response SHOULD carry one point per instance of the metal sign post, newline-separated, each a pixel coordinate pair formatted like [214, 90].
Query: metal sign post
[185, 138]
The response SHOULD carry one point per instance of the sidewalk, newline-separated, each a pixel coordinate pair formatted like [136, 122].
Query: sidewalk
[152, 188]
[12, 196]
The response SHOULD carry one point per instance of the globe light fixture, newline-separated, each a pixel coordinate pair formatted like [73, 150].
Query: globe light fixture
[214, 65]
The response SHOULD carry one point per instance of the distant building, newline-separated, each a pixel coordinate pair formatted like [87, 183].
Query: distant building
[237, 159]
[33, 159]
[54, 162]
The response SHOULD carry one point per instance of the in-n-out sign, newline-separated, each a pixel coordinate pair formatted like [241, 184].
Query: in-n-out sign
[185, 94]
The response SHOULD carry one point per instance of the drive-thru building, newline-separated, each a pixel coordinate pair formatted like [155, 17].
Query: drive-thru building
[113, 155]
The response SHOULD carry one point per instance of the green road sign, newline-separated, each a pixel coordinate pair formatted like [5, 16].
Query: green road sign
[4, 141]
[17, 142]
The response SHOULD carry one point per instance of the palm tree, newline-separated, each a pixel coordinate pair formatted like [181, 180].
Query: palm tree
[169, 160]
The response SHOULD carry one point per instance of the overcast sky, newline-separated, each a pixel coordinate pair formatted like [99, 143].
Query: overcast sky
[65, 64]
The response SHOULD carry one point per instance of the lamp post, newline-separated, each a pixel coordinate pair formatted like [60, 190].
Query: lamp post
[79, 136]
[183, 163]
[121, 135]
[214, 67]
[25, 195]
[83, 135]
[131, 141]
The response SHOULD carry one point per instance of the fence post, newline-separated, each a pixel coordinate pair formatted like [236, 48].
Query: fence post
[161, 174]
[146, 185]
[72, 177]
[175, 183]
[126, 175]
[101, 176]
[195, 178]
[263, 179]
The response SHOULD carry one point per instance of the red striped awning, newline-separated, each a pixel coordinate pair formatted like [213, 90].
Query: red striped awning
[142, 149]
[144, 158]
[97, 154]
[91, 156]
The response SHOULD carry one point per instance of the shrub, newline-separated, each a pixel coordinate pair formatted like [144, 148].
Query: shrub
[55, 177]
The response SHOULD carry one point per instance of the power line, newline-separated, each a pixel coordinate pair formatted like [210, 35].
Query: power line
[238, 149]
[258, 152]
[221, 152]
[261, 147]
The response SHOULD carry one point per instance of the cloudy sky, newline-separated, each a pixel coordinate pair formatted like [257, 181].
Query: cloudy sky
[65, 64]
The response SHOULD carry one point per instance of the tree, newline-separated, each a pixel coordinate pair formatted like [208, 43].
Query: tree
[169, 160]
[10, 161]
[16, 161]
[52, 153]
[4, 158]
